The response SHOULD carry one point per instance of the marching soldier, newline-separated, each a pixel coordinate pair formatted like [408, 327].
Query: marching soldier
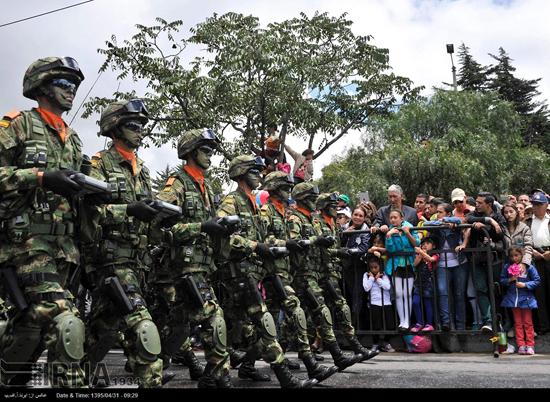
[331, 273]
[189, 257]
[119, 256]
[307, 269]
[280, 294]
[243, 270]
[38, 211]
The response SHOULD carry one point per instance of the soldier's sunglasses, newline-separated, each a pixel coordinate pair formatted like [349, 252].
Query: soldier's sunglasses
[64, 84]
[133, 126]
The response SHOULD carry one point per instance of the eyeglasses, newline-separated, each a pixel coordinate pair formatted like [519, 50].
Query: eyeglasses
[64, 62]
[133, 126]
[536, 204]
[133, 106]
[64, 84]
[205, 149]
[253, 171]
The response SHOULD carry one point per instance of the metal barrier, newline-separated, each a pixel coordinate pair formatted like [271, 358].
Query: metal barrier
[463, 282]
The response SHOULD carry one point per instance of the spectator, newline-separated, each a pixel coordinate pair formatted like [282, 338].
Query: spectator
[378, 247]
[524, 199]
[303, 164]
[371, 212]
[520, 206]
[399, 238]
[452, 268]
[539, 224]
[420, 204]
[423, 292]
[342, 217]
[343, 202]
[378, 286]
[521, 283]
[458, 198]
[528, 212]
[382, 217]
[471, 202]
[354, 277]
[485, 216]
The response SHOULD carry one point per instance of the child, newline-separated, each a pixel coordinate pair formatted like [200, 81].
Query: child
[521, 282]
[423, 292]
[378, 247]
[378, 286]
[399, 238]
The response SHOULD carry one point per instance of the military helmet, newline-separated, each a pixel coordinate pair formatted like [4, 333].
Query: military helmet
[304, 190]
[275, 180]
[47, 69]
[196, 138]
[327, 200]
[242, 164]
[120, 112]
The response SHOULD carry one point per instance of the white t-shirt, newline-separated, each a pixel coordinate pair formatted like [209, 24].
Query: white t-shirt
[541, 234]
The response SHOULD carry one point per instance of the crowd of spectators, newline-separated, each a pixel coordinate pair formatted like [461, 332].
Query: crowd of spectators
[428, 267]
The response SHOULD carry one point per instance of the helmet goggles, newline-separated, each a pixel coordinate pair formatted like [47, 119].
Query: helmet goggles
[133, 106]
[64, 62]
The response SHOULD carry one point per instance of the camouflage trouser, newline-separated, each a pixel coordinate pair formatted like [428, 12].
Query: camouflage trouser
[106, 317]
[183, 311]
[324, 328]
[290, 307]
[39, 318]
[340, 306]
[251, 313]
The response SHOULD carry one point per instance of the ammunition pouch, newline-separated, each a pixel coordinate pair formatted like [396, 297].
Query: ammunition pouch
[41, 222]
[237, 269]
[112, 250]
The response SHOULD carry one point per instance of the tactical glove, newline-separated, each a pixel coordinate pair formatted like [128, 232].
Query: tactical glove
[263, 251]
[142, 210]
[343, 253]
[293, 246]
[212, 227]
[322, 241]
[58, 182]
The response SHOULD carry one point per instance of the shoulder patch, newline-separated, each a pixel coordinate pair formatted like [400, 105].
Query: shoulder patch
[264, 207]
[169, 183]
[229, 200]
[12, 115]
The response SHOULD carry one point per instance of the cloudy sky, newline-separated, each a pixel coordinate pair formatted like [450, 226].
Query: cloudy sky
[415, 32]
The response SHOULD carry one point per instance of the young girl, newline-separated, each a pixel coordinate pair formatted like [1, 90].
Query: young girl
[521, 283]
[378, 247]
[378, 286]
[423, 292]
[399, 239]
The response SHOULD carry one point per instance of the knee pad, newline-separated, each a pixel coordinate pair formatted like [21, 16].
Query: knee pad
[147, 340]
[268, 328]
[219, 333]
[25, 341]
[173, 342]
[324, 317]
[99, 350]
[345, 313]
[70, 337]
[300, 321]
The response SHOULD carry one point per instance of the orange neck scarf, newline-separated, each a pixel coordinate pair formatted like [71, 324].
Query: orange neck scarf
[304, 211]
[129, 156]
[328, 219]
[279, 205]
[253, 200]
[197, 175]
[55, 121]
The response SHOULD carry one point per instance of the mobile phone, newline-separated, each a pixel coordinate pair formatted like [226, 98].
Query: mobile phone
[504, 198]
[364, 196]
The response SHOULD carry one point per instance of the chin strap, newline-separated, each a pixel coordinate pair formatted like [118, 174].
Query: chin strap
[120, 135]
[51, 98]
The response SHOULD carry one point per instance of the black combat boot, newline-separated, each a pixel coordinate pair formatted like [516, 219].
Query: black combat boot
[236, 357]
[247, 369]
[195, 367]
[224, 382]
[341, 360]
[315, 370]
[287, 380]
[206, 380]
[167, 376]
[358, 349]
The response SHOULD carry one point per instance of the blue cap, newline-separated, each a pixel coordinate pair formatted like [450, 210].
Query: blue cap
[539, 197]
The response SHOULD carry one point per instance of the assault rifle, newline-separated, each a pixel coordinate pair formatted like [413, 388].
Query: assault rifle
[90, 185]
[165, 209]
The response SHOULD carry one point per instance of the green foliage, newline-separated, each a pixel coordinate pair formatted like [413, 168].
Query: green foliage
[473, 143]
[312, 76]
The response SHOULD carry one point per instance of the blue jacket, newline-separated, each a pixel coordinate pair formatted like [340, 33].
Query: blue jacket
[401, 243]
[351, 240]
[452, 236]
[520, 297]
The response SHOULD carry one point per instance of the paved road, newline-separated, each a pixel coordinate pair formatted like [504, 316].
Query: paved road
[388, 371]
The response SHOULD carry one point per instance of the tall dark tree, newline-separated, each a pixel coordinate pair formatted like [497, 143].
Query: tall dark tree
[471, 74]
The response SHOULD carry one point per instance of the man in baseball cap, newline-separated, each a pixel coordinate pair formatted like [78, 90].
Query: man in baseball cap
[458, 198]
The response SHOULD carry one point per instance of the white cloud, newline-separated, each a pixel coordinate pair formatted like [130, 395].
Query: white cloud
[415, 32]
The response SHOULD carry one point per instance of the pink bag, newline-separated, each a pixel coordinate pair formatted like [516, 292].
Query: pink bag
[301, 170]
[418, 343]
[283, 167]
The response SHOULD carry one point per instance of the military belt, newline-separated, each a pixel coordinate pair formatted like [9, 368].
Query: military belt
[236, 269]
[46, 296]
[37, 278]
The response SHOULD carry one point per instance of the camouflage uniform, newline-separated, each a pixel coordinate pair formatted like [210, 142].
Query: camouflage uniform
[189, 259]
[307, 270]
[242, 271]
[284, 297]
[331, 273]
[37, 234]
[120, 251]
